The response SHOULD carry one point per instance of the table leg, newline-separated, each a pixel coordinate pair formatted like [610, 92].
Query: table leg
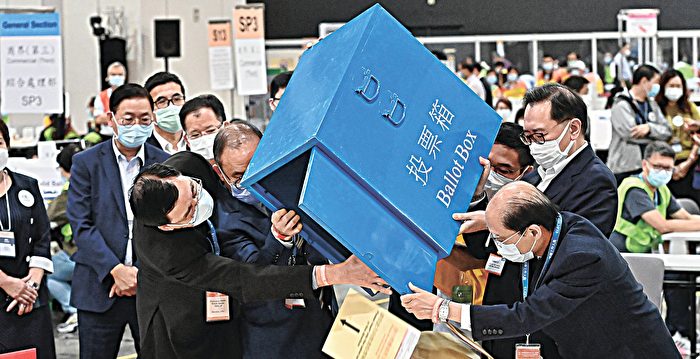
[693, 317]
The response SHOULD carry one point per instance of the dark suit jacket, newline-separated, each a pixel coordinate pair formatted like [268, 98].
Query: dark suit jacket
[244, 234]
[153, 142]
[588, 302]
[587, 187]
[175, 268]
[97, 214]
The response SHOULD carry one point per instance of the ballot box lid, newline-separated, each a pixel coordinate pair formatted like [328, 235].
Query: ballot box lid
[379, 117]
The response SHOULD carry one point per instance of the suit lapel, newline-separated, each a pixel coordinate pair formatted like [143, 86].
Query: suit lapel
[113, 176]
[565, 179]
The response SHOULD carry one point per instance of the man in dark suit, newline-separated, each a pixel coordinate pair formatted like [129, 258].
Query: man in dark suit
[580, 291]
[300, 327]
[104, 280]
[168, 94]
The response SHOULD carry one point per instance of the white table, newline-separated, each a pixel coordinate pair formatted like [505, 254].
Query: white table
[682, 263]
[679, 241]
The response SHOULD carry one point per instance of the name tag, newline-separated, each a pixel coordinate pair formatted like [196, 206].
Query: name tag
[495, 264]
[7, 244]
[527, 351]
[294, 303]
[677, 147]
[217, 307]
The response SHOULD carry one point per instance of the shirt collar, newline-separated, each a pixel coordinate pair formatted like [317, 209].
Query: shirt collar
[166, 145]
[141, 154]
[556, 169]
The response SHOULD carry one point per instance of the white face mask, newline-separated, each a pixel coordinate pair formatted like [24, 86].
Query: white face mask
[549, 154]
[106, 130]
[511, 251]
[496, 180]
[673, 93]
[204, 145]
[504, 113]
[202, 212]
[4, 156]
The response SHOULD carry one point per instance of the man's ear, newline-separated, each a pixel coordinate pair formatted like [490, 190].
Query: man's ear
[576, 127]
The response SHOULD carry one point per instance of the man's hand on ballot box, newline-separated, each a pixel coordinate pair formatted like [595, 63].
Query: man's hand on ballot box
[425, 305]
[352, 271]
[479, 191]
[471, 221]
[285, 224]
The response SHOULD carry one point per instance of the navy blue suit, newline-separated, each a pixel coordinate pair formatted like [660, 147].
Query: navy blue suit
[97, 213]
[269, 329]
[587, 187]
[588, 302]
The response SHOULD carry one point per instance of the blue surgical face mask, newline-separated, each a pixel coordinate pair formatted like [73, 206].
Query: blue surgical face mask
[135, 135]
[547, 66]
[655, 88]
[659, 178]
[512, 77]
[492, 79]
[116, 80]
[244, 195]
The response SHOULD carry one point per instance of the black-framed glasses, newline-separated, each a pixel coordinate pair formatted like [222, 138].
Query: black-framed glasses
[177, 100]
[538, 138]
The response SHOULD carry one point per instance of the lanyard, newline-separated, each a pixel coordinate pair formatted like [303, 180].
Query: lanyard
[550, 254]
[9, 215]
[214, 239]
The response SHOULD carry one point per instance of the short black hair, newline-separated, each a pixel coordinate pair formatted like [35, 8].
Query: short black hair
[5, 132]
[566, 104]
[519, 114]
[658, 147]
[126, 92]
[644, 72]
[576, 83]
[233, 136]
[509, 136]
[279, 82]
[152, 197]
[65, 157]
[439, 54]
[505, 101]
[526, 208]
[202, 101]
[547, 55]
[471, 67]
[162, 78]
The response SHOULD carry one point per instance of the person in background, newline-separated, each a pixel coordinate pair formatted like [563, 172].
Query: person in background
[59, 282]
[25, 318]
[494, 82]
[201, 119]
[647, 209]
[548, 72]
[576, 287]
[519, 117]
[607, 75]
[116, 76]
[470, 75]
[620, 68]
[684, 118]
[60, 128]
[277, 87]
[168, 95]
[104, 279]
[504, 108]
[636, 121]
[92, 137]
[513, 87]
[578, 84]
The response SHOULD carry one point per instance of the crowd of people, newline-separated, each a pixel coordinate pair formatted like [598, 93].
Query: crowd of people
[153, 230]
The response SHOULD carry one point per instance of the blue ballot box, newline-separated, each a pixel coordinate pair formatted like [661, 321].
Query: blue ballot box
[375, 144]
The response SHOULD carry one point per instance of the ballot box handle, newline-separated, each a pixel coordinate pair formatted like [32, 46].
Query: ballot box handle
[367, 81]
[393, 106]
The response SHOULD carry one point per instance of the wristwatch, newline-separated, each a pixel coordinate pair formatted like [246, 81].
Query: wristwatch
[444, 311]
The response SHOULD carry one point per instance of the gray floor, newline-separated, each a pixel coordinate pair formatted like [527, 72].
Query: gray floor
[67, 344]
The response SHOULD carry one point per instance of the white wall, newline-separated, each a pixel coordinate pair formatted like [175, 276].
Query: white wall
[81, 51]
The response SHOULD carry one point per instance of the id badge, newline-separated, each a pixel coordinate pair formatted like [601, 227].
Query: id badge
[527, 351]
[7, 244]
[677, 147]
[217, 307]
[495, 264]
[294, 303]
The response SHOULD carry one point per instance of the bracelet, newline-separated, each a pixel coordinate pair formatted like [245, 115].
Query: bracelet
[322, 280]
[278, 235]
[436, 311]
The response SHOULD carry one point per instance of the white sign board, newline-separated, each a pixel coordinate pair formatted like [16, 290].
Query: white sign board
[642, 23]
[249, 46]
[31, 68]
[220, 57]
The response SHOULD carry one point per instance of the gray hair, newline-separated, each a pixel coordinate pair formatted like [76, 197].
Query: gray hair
[233, 136]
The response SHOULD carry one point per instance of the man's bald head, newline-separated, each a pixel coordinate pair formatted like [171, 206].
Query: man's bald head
[234, 136]
[518, 205]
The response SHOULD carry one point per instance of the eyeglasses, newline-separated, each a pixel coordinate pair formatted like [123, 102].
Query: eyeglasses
[129, 121]
[661, 167]
[177, 100]
[196, 193]
[495, 238]
[236, 183]
[208, 131]
[538, 138]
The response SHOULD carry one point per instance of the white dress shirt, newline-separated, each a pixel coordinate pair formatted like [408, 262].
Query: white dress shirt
[128, 169]
[167, 146]
[550, 174]
[475, 84]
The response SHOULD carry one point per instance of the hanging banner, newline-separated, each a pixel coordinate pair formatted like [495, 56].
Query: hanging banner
[31, 68]
[220, 57]
[249, 45]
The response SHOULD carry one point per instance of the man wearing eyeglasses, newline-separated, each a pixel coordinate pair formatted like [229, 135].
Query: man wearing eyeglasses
[104, 280]
[277, 87]
[202, 117]
[168, 95]
[648, 210]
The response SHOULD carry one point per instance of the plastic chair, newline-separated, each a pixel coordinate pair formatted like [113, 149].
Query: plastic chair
[649, 272]
[689, 205]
